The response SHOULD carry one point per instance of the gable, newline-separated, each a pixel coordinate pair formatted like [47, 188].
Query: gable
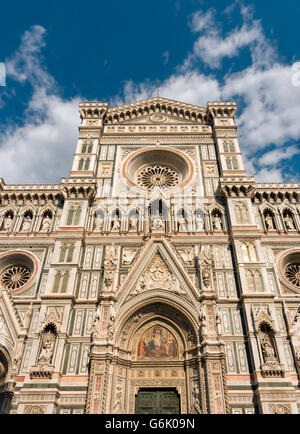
[157, 270]
[157, 111]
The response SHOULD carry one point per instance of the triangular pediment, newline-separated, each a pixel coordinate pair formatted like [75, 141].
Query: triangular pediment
[157, 110]
[157, 270]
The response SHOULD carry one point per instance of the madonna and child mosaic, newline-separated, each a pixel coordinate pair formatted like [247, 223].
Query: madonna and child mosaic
[157, 343]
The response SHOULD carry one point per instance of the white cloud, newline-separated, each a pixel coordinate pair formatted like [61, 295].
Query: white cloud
[201, 21]
[271, 106]
[269, 103]
[277, 155]
[41, 150]
[192, 87]
[269, 175]
[25, 64]
[212, 48]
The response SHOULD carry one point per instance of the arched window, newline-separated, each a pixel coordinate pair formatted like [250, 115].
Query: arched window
[238, 214]
[80, 165]
[83, 150]
[57, 282]
[250, 281]
[70, 253]
[90, 148]
[228, 163]
[259, 287]
[235, 163]
[65, 281]
[66, 253]
[77, 216]
[87, 164]
[63, 251]
[61, 281]
[74, 215]
[70, 216]
[255, 281]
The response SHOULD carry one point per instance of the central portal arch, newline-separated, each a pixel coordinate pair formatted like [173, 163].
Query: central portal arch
[160, 345]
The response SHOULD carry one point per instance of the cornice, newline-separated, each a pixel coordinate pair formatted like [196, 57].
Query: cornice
[156, 136]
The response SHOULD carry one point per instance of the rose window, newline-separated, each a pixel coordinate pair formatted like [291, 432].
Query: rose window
[292, 274]
[157, 176]
[158, 167]
[15, 276]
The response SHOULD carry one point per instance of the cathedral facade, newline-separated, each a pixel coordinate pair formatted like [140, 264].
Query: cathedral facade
[157, 278]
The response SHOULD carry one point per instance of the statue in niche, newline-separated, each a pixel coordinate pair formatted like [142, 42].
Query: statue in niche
[48, 341]
[111, 257]
[267, 344]
[206, 276]
[269, 222]
[116, 224]
[289, 223]
[46, 223]
[8, 222]
[202, 319]
[182, 226]
[218, 322]
[26, 223]
[118, 406]
[267, 350]
[196, 407]
[96, 323]
[199, 223]
[99, 223]
[217, 222]
[108, 279]
[157, 222]
[133, 221]
[110, 326]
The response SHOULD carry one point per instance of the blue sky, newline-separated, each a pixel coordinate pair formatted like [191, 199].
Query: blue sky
[188, 50]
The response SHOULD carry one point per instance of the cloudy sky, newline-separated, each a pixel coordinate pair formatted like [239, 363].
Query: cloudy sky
[188, 50]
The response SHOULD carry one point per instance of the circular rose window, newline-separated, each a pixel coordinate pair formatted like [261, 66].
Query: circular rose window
[157, 176]
[15, 276]
[17, 270]
[159, 167]
[292, 274]
[288, 266]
